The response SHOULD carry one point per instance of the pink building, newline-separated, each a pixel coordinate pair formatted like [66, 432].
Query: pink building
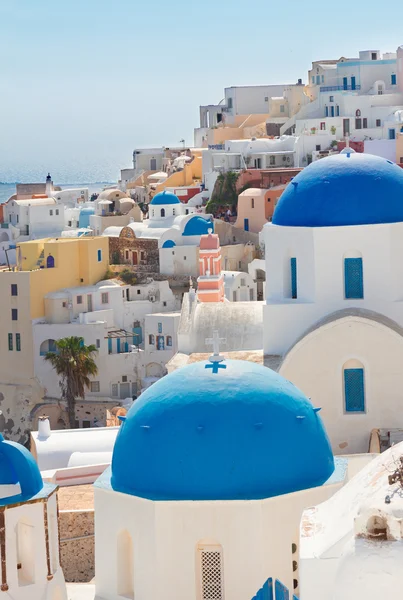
[256, 207]
[210, 283]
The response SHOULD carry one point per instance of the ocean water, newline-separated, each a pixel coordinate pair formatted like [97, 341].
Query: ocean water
[8, 189]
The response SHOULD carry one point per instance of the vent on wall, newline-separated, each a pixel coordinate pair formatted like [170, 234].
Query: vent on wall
[211, 574]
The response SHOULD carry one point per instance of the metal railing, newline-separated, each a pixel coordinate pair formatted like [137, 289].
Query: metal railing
[340, 88]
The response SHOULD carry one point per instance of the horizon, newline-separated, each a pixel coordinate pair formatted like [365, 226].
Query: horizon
[78, 104]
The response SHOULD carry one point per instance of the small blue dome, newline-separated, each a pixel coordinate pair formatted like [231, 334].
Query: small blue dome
[237, 432]
[84, 218]
[197, 226]
[346, 189]
[164, 198]
[17, 465]
[168, 244]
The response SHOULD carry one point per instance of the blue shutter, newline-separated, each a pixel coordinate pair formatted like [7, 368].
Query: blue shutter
[138, 337]
[99, 255]
[326, 111]
[353, 83]
[109, 345]
[332, 111]
[345, 83]
[118, 345]
[354, 390]
[393, 79]
[353, 278]
[294, 290]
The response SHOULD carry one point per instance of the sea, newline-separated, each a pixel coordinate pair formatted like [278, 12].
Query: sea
[8, 189]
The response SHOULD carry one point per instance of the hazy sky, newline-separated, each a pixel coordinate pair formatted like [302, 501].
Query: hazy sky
[83, 82]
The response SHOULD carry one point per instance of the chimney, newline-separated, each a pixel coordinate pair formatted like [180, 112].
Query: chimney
[43, 428]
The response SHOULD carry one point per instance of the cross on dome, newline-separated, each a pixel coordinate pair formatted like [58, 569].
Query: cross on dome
[215, 342]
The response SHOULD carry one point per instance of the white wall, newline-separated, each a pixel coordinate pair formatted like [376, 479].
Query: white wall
[179, 260]
[165, 537]
[320, 274]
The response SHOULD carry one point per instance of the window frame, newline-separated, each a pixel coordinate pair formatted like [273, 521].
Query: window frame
[103, 296]
[18, 342]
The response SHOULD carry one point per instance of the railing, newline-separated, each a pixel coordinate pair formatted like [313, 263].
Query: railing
[340, 88]
[4, 225]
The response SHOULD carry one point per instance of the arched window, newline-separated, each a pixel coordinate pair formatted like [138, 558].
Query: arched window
[169, 340]
[210, 581]
[25, 542]
[162, 212]
[354, 387]
[358, 113]
[47, 346]
[353, 278]
[125, 563]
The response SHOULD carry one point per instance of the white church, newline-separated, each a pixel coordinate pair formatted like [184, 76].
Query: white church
[334, 293]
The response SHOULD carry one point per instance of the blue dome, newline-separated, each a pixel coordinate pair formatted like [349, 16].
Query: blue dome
[84, 218]
[168, 244]
[164, 198]
[346, 189]
[17, 465]
[197, 226]
[237, 432]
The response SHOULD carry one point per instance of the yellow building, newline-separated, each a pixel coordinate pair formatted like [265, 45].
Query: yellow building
[43, 266]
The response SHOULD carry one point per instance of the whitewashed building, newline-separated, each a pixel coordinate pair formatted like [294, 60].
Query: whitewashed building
[333, 313]
[239, 287]
[206, 447]
[29, 537]
[113, 318]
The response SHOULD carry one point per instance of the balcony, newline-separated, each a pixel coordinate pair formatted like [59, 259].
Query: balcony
[340, 88]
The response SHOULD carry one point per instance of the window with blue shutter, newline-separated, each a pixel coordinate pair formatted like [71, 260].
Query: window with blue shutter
[354, 393]
[294, 289]
[393, 79]
[99, 255]
[353, 278]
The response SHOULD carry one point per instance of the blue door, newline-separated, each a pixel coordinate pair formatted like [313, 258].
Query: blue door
[353, 83]
[332, 111]
[392, 134]
[246, 224]
[345, 83]
[118, 345]
[138, 336]
[50, 262]
[353, 278]
[326, 111]
[294, 290]
[160, 342]
[354, 393]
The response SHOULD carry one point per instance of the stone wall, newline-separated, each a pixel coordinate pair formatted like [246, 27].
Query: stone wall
[77, 544]
[229, 234]
[150, 261]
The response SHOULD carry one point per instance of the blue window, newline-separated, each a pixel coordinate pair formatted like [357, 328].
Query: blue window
[393, 79]
[14, 289]
[353, 278]
[313, 80]
[99, 255]
[392, 134]
[246, 223]
[323, 79]
[118, 345]
[326, 111]
[317, 79]
[337, 110]
[159, 327]
[10, 341]
[109, 345]
[354, 393]
[353, 83]
[14, 314]
[345, 83]
[294, 290]
[18, 342]
[332, 111]
[138, 336]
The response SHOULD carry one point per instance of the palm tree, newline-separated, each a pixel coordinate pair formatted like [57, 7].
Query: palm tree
[74, 363]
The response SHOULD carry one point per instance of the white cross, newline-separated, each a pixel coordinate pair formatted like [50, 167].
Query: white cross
[215, 342]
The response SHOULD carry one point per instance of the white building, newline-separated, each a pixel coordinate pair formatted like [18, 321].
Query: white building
[29, 536]
[333, 313]
[113, 318]
[239, 287]
[212, 444]
[355, 97]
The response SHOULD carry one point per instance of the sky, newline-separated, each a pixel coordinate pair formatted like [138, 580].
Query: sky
[84, 82]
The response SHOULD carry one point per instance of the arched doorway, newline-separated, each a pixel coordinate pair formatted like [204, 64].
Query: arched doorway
[50, 262]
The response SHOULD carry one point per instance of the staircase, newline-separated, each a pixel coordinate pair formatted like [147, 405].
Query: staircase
[41, 259]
